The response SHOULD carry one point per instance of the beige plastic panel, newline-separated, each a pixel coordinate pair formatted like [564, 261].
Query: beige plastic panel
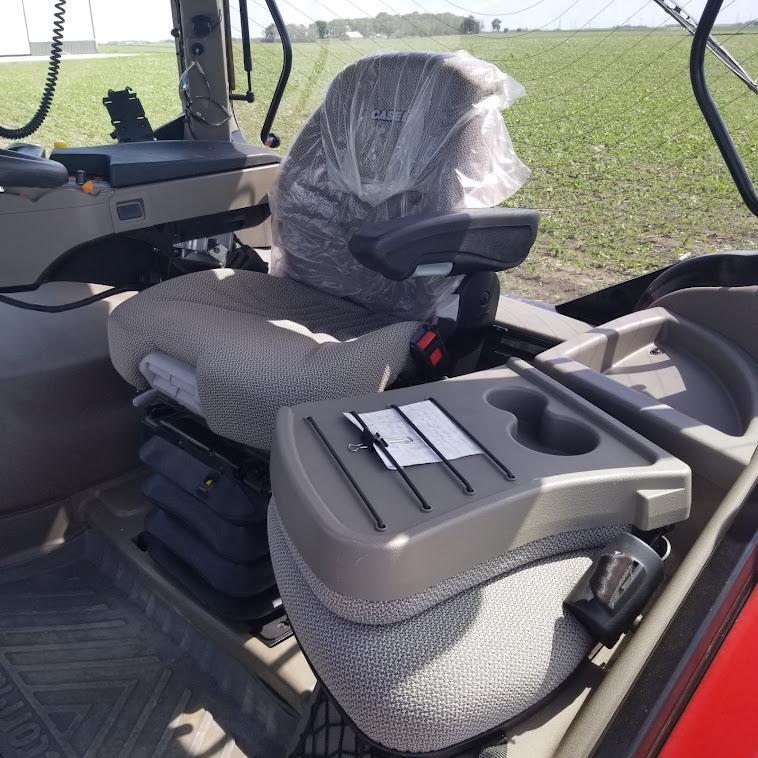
[213, 59]
[37, 231]
[66, 420]
[685, 387]
[540, 322]
[195, 196]
[732, 312]
[40, 227]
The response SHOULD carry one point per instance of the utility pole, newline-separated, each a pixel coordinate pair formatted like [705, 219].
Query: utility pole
[26, 27]
[92, 22]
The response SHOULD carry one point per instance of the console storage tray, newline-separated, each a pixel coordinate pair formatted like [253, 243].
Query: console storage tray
[574, 468]
[690, 390]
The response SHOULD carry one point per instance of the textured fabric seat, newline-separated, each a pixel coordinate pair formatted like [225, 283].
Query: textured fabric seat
[257, 342]
[457, 669]
[398, 135]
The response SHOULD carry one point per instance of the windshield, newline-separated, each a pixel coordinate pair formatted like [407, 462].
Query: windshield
[625, 173]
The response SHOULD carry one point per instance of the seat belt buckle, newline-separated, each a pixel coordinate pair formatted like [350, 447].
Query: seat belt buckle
[429, 352]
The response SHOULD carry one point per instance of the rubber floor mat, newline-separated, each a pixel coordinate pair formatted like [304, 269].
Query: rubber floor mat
[85, 673]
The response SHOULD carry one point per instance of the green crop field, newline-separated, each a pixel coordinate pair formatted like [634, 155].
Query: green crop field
[624, 170]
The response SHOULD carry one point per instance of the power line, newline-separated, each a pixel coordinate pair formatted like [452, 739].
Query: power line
[592, 109]
[566, 39]
[502, 13]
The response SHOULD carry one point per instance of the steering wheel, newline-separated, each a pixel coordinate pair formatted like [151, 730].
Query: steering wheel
[18, 169]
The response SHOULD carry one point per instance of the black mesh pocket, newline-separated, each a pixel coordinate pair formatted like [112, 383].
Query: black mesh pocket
[327, 734]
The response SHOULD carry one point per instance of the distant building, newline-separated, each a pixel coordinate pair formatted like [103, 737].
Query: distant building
[27, 25]
[352, 35]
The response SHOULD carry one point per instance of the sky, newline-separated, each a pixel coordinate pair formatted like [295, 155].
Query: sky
[117, 20]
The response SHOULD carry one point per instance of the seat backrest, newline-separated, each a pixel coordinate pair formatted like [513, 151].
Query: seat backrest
[398, 134]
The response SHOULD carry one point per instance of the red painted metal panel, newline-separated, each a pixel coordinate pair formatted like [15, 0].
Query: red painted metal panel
[721, 718]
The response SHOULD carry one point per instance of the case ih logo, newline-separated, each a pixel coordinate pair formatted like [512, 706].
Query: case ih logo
[378, 115]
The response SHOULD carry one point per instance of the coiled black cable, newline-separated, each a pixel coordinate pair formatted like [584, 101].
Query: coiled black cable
[56, 51]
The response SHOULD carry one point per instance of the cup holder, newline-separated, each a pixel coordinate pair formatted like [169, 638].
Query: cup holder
[538, 428]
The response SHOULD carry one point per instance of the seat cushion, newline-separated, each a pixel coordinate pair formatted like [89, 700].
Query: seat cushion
[452, 672]
[257, 343]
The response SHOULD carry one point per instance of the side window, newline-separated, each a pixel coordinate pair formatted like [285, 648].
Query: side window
[108, 44]
[625, 174]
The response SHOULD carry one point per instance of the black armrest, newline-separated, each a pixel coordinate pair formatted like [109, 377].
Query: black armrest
[487, 239]
[18, 169]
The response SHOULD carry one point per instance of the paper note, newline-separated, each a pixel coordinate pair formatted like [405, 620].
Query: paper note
[405, 444]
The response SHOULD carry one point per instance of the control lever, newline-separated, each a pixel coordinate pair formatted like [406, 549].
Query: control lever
[615, 588]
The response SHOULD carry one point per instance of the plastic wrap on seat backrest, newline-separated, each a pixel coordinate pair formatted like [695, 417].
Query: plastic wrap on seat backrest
[398, 134]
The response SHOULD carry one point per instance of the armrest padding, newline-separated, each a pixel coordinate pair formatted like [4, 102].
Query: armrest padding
[487, 239]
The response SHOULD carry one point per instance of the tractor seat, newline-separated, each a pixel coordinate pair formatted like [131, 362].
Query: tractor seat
[264, 341]
[382, 220]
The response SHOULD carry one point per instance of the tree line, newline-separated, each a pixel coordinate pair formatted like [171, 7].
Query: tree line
[385, 25]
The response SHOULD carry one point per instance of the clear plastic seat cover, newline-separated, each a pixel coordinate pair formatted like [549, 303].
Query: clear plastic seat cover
[398, 134]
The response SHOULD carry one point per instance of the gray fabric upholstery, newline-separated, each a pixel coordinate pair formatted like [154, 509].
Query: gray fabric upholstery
[443, 146]
[391, 611]
[257, 343]
[452, 672]
[495, 751]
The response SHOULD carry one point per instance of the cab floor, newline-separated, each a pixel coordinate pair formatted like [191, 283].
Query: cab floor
[86, 672]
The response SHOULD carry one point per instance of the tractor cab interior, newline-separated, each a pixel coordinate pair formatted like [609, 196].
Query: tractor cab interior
[285, 471]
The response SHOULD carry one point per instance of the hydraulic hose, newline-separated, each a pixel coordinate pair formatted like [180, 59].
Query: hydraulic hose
[56, 51]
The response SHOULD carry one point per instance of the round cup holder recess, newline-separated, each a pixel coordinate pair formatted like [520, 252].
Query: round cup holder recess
[539, 428]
